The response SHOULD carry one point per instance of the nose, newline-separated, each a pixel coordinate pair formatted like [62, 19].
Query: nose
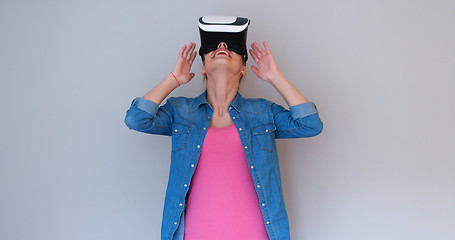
[222, 45]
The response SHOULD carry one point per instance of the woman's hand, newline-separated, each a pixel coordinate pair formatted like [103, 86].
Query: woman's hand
[269, 72]
[266, 69]
[185, 60]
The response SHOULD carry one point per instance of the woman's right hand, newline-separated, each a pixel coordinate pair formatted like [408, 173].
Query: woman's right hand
[185, 60]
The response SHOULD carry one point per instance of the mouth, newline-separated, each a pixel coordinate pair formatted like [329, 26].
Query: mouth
[221, 52]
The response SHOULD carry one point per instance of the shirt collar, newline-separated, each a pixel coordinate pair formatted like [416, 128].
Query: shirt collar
[237, 103]
[201, 99]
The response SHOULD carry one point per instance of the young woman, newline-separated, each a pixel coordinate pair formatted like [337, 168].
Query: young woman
[224, 181]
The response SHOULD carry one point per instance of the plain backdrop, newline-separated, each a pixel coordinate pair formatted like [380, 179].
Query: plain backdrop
[381, 73]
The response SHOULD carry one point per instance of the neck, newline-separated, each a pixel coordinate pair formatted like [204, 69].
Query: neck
[221, 91]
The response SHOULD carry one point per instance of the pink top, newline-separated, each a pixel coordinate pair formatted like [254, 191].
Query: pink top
[222, 201]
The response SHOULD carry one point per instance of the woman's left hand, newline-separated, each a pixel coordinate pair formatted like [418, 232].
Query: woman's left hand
[266, 69]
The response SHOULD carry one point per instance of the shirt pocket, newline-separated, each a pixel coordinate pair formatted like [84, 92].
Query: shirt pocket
[180, 134]
[264, 135]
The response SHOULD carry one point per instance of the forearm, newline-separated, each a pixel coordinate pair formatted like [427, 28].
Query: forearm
[288, 92]
[162, 90]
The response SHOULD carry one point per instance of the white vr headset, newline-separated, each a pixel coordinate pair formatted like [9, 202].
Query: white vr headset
[231, 30]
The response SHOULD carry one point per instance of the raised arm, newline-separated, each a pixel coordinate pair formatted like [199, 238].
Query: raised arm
[145, 114]
[180, 75]
[302, 120]
[268, 71]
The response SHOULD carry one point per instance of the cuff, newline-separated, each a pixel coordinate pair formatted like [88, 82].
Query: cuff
[145, 105]
[303, 110]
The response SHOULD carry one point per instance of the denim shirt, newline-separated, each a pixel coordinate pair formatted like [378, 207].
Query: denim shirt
[258, 121]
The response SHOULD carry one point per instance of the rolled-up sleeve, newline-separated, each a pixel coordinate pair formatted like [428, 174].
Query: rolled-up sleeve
[299, 121]
[148, 117]
[146, 105]
[303, 110]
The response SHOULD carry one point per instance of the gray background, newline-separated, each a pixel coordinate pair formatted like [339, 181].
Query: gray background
[381, 73]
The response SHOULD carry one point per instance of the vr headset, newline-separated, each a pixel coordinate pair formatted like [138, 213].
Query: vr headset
[231, 30]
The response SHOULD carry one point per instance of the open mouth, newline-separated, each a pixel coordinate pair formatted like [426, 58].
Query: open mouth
[220, 52]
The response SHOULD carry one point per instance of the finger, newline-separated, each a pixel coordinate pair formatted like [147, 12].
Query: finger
[181, 51]
[255, 70]
[267, 49]
[259, 49]
[185, 53]
[255, 46]
[255, 57]
[193, 56]
[255, 49]
[190, 51]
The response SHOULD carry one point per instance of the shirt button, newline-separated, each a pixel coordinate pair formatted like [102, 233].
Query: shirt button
[266, 130]
[185, 185]
[263, 204]
[198, 146]
[175, 223]
[252, 167]
[175, 130]
[258, 186]
[180, 204]
[233, 117]
[246, 147]
[205, 129]
[267, 222]
[230, 108]
[192, 165]
[208, 117]
[240, 129]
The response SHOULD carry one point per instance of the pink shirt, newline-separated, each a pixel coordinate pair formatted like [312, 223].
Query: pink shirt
[222, 201]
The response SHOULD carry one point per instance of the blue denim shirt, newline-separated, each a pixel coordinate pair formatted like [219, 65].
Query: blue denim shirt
[258, 121]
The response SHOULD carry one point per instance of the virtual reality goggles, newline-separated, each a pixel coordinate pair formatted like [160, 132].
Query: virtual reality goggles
[216, 29]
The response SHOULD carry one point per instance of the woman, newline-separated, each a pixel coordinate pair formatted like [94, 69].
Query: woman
[224, 181]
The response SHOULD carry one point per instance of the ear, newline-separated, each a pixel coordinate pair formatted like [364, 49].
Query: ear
[243, 72]
[203, 71]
